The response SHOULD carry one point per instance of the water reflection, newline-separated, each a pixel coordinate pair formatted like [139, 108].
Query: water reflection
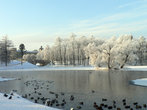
[85, 86]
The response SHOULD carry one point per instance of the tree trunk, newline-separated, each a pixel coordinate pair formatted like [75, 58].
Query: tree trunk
[6, 58]
[21, 56]
[109, 61]
[124, 61]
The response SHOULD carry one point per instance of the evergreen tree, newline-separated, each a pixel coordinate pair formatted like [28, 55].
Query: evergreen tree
[22, 48]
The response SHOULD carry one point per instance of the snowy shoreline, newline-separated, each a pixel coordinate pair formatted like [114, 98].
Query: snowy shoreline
[16, 102]
[135, 68]
[60, 68]
[140, 82]
[16, 66]
[48, 69]
[13, 101]
[6, 79]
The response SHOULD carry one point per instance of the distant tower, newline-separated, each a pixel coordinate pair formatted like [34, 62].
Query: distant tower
[41, 48]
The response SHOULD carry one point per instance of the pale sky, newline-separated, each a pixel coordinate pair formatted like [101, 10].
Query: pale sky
[39, 22]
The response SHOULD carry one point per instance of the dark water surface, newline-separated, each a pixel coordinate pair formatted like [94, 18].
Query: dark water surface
[85, 86]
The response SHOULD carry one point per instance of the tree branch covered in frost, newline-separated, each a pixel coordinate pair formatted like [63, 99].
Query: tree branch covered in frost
[141, 48]
[125, 50]
[115, 53]
[68, 51]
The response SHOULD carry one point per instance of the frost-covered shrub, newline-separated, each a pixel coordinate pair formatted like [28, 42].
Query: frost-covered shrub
[31, 58]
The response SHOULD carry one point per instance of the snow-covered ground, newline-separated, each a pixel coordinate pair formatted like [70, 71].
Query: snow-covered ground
[16, 65]
[128, 68]
[12, 63]
[135, 68]
[19, 103]
[6, 79]
[140, 82]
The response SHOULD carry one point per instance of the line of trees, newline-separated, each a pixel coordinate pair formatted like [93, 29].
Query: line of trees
[67, 51]
[113, 52]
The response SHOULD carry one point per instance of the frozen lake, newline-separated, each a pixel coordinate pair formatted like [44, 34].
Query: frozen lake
[87, 86]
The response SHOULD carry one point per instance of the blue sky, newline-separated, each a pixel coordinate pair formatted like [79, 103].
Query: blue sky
[39, 22]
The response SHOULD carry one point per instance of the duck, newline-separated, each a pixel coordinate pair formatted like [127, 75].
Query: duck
[79, 107]
[81, 103]
[5, 95]
[127, 106]
[118, 108]
[10, 97]
[104, 99]
[144, 105]
[72, 109]
[71, 97]
[110, 107]
[93, 91]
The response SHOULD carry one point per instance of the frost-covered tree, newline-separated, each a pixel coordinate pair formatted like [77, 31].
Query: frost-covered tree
[5, 53]
[52, 55]
[141, 48]
[93, 51]
[113, 53]
[58, 46]
[82, 42]
[43, 56]
[40, 55]
[125, 50]
[72, 47]
[64, 51]
[107, 52]
[13, 53]
[46, 53]
[31, 58]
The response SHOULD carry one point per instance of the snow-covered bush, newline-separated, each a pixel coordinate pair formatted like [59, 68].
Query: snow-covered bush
[30, 58]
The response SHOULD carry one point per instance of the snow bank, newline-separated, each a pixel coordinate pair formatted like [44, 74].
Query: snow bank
[17, 65]
[19, 103]
[66, 68]
[47, 68]
[14, 62]
[135, 68]
[140, 82]
[6, 79]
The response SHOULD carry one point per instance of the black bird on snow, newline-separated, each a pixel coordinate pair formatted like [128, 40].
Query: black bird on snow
[5, 95]
[10, 97]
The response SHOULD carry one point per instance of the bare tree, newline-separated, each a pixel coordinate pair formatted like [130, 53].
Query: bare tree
[5, 50]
